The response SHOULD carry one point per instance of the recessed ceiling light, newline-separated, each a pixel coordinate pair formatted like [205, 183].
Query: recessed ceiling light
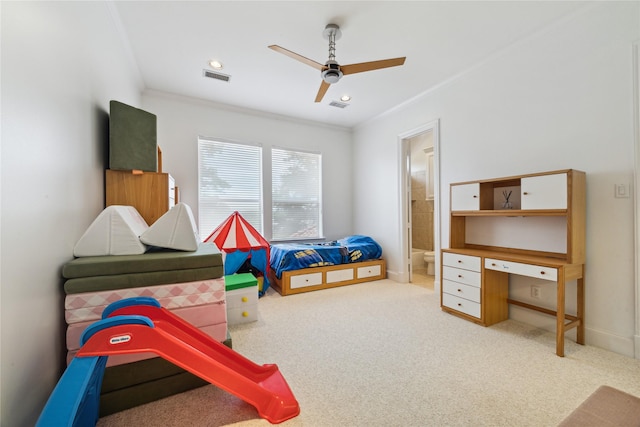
[217, 65]
[345, 98]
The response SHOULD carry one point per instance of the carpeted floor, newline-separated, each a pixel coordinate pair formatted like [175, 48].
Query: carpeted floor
[384, 354]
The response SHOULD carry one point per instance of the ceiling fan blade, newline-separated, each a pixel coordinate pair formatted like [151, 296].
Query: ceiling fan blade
[323, 89]
[297, 57]
[373, 65]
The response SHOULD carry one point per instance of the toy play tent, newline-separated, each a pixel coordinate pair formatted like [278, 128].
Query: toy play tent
[238, 240]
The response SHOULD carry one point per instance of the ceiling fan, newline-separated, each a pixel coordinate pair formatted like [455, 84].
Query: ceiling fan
[331, 71]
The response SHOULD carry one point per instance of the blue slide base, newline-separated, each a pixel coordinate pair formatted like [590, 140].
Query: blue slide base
[75, 401]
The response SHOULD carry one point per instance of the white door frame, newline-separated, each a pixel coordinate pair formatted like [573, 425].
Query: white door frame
[636, 124]
[405, 198]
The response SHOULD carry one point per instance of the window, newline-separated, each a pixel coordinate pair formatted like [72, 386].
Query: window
[230, 179]
[296, 194]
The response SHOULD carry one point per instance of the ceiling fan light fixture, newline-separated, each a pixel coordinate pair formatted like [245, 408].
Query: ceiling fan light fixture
[332, 73]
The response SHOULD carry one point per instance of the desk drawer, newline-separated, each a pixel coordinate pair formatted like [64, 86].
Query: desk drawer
[471, 293]
[462, 305]
[462, 276]
[467, 262]
[531, 270]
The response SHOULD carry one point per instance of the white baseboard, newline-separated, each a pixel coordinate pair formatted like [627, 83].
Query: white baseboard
[608, 341]
[397, 277]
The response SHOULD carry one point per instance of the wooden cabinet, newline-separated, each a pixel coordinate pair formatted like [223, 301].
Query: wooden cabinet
[559, 194]
[151, 193]
[545, 191]
[476, 273]
[465, 197]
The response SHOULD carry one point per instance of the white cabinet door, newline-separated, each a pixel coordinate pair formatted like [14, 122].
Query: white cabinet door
[544, 192]
[465, 197]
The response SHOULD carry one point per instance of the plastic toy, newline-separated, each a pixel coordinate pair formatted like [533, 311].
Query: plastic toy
[140, 324]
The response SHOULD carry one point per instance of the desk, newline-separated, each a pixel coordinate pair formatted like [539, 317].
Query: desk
[464, 270]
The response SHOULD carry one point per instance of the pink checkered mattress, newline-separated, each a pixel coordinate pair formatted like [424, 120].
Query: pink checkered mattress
[88, 306]
[199, 316]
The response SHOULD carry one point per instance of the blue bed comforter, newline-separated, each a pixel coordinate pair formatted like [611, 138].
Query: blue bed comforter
[295, 256]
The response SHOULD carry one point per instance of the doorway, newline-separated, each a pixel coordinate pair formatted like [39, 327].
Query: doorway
[420, 205]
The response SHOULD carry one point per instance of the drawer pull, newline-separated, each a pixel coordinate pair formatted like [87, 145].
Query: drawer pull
[245, 299]
[459, 290]
[459, 305]
[542, 272]
[460, 276]
[245, 314]
[525, 194]
[493, 264]
[459, 261]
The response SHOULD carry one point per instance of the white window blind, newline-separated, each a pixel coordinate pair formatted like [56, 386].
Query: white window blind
[230, 179]
[296, 194]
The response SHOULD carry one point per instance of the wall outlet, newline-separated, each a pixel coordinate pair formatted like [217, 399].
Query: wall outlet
[536, 292]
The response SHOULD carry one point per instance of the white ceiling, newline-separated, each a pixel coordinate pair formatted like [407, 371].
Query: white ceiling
[172, 42]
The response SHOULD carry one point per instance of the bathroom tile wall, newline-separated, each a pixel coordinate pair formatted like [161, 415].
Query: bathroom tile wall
[421, 213]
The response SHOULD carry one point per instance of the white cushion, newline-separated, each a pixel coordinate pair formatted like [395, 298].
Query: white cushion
[176, 229]
[116, 231]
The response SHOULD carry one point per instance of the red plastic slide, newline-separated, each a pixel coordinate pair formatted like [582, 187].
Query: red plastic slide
[263, 386]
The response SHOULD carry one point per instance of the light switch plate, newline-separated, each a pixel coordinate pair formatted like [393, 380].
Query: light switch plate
[621, 191]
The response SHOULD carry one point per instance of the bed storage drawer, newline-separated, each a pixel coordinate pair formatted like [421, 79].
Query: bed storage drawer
[304, 280]
[368, 271]
[339, 275]
[331, 276]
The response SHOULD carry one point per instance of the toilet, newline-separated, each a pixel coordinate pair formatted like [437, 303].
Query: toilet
[430, 261]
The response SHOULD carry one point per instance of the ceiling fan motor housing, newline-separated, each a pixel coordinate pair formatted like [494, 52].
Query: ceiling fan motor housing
[332, 74]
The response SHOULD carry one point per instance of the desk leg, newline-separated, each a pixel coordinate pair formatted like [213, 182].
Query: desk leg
[560, 314]
[580, 309]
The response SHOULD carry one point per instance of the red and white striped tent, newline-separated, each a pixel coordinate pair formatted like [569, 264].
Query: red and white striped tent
[238, 240]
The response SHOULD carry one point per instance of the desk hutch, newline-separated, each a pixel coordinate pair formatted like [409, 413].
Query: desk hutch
[475, 273]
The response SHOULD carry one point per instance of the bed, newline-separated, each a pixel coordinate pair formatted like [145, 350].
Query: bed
[304, 267]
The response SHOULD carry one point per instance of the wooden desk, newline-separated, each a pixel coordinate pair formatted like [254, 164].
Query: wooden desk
[460, 265]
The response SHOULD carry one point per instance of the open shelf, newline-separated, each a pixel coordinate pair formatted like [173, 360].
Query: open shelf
[512, 212]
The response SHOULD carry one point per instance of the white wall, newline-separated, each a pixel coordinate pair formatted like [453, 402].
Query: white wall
[560, 99]
[181, 120]
[61, 64]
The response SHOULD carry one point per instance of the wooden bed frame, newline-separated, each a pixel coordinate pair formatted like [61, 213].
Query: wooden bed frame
[316, 278]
